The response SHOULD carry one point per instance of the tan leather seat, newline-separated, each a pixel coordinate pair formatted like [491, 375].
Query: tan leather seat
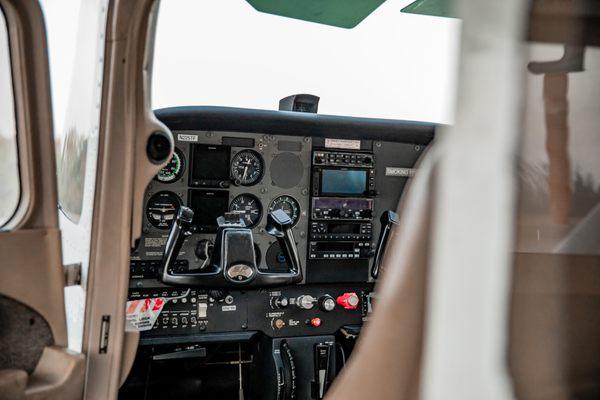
[386, 362]
[554, 331]
[554, 342]
[12, 384]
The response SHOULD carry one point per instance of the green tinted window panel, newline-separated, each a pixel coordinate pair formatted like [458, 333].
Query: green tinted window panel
[435, 8]
[340, 13]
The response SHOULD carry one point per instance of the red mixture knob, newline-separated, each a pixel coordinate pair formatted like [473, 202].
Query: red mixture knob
[349, 301]
[316, 322]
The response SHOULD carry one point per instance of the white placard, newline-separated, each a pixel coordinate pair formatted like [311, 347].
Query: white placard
[400, 172]
[187, 138]
[343, 144]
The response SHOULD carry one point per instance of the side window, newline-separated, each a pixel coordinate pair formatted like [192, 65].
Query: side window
[76, 52]
[76, 44]
[10, 189]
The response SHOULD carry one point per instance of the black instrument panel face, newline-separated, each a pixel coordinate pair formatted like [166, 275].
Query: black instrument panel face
[334, 195]
[216, 172]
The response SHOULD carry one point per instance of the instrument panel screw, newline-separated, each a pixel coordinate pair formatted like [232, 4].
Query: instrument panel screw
[244, 326]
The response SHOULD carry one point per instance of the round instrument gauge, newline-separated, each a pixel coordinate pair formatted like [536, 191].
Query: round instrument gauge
[161, 209]
[247, 168]
[174, 168]
[248, 207]
[288, 204]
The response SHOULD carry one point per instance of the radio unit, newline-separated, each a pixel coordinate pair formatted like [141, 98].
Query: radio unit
[341, 231]
[343, 182]
[339, 250]
[343, 159]
[325, 208]
[343, 174]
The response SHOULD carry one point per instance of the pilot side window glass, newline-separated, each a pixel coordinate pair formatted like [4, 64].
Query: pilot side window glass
[226, 53]
[10, 189]
[76, 44]
[76, 50]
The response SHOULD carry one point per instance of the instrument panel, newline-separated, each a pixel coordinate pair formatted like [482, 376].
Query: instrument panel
[216, 172]
[334, 191]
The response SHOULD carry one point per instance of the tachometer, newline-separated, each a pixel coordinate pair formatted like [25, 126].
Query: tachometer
[248, 207]
[174, 168]
[161, 209]
[247, 168]
[288, 204]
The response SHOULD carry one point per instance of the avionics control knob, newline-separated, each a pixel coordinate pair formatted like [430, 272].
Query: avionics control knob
[366, 213]
[326, 303]
[281, 302]
[349, 300]
[306, 302]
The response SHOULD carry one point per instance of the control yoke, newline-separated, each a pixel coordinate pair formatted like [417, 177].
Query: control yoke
[388, 218]
[279, 225]
[233, 259]
[181, 228]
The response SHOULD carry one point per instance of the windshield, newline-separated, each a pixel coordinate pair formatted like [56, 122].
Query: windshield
[225, 53]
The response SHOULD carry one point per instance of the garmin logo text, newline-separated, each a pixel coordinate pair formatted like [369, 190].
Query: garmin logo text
[401, 172]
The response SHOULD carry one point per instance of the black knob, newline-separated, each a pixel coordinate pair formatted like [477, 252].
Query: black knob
[326, 303]
[367, 160]
[366, 213]
[335, 212]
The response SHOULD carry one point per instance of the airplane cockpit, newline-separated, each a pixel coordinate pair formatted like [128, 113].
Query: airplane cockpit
[299, 200]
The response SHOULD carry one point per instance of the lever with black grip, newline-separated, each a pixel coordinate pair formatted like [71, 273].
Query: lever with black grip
[181, 228]
[388, 218]
[279, 225]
